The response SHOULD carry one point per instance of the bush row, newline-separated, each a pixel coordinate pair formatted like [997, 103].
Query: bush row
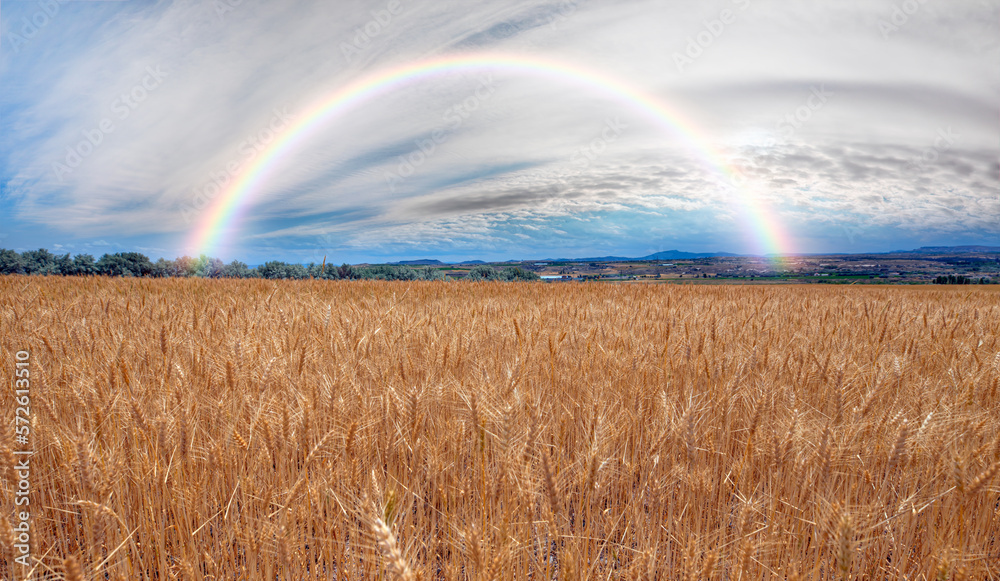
[43, 262]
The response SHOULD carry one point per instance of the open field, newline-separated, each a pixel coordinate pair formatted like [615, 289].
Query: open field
[916, 267]
[228, 429]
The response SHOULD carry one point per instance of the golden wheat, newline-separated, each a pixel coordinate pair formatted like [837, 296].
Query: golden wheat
[255, 430]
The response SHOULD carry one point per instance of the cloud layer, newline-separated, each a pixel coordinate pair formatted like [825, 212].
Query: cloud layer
[858, 125]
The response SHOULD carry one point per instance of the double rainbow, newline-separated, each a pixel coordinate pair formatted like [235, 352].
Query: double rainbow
[221, 214]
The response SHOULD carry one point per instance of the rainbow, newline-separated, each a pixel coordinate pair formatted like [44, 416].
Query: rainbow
[223, 210]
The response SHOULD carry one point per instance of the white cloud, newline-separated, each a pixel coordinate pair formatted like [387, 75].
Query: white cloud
[208, 81]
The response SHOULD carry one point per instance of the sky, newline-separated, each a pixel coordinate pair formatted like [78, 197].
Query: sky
[808, 126]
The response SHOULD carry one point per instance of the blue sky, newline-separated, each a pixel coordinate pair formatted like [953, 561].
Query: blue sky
[862, 125]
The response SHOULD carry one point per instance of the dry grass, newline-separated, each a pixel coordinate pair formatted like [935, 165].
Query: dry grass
[303, 430]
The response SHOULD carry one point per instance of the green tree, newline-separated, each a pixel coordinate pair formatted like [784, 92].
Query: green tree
[428, 273]
[124, 264]
[39, 261]
[322, 271]
[515, 273]
[296, 271]
[274, 269]
[11, 262]
[236, 269]
[346, 271]
[387, 272]
[84, 265]
[208, 267]
[185, 266]
[483, 272]
[277, 269]
[163, 268]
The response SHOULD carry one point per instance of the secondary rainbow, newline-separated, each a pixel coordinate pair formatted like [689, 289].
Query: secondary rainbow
[221, 213]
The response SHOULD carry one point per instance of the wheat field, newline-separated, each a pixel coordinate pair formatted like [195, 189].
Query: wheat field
[230, 429]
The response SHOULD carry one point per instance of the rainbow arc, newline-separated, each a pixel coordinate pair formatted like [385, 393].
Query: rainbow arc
[221, 215]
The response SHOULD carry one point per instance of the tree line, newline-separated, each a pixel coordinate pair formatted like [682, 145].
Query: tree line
[43, 262]
[959, 279]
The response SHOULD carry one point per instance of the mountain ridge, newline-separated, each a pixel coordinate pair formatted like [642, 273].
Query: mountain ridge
[682, 255]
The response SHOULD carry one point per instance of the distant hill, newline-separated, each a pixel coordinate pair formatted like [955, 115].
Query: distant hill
[681, 255]
[421, 262]
[591, 259]
[677, 254]
[955, 250]
[662, 255]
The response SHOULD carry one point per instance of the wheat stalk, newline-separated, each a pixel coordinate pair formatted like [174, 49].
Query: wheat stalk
[397, 565]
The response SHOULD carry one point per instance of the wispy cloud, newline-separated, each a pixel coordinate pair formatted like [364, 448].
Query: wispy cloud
[116, 115]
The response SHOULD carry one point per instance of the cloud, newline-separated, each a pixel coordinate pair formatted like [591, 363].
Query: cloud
[119, 114]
